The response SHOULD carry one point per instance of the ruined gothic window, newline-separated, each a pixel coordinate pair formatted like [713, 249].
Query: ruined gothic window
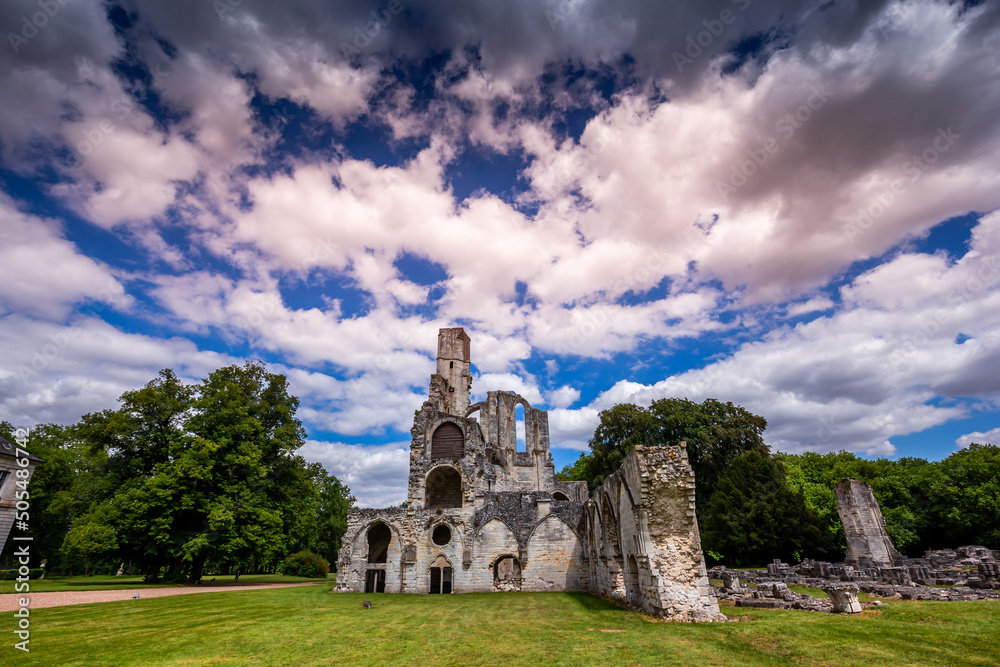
[440, 576]
[559, 495]
[448, 442]
[609, 527]
[378, 543]
[521, 444]
[444, 489]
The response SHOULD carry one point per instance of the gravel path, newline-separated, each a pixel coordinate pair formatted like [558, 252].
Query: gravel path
[9, 601]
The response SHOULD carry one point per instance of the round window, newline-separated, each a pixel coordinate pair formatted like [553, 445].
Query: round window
[441, 535]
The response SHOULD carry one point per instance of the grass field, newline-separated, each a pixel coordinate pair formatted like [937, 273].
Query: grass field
[110, 583]
[310, 626]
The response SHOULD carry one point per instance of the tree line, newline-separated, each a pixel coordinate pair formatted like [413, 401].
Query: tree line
[182, 479]
[754, 505]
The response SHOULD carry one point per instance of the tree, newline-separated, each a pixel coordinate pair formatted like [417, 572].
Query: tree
[243, 467]
[622, 427]
[965, 498]
[91, 539]
[335, 501]
[578, 471]
[716, 433]
[208, 473]
[754, 517]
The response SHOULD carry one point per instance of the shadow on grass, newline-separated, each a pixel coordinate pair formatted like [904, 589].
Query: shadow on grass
[591, 602]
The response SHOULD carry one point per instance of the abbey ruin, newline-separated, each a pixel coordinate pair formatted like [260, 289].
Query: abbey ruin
[871, 565]
[485, 514]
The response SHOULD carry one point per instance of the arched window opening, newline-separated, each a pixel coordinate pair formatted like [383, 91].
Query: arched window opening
[559, 495]
[444, 489]
[507, 574]
[609, 527]
[448, 442]
[522, 444]
[379, 537]
[440, 576]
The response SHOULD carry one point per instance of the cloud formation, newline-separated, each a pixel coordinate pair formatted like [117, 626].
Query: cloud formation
[618, 200]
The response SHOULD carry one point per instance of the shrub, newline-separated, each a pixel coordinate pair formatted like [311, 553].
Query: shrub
[305, 564]
[8, 575]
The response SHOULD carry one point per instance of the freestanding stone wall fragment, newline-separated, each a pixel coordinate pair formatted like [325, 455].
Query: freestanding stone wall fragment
[868, 543]
[645, 547]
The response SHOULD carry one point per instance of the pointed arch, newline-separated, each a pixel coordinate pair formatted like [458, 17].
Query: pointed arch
[555, 558]
[447, 441]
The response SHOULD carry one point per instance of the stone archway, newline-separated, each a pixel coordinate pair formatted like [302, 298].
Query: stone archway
[507, 574]
[443, 489]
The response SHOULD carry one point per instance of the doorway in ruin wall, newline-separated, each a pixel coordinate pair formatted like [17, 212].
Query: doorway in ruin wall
[634, 592]
[507, 574]
[441, 576]
[375, 581]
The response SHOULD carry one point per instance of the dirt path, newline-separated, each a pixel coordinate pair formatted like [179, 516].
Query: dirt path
[9, 601]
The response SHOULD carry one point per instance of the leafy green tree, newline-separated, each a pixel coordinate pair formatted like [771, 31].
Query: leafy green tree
[716, 433]
[243, 469]
[622, 428]
[208, 473]
[335, 501]
[965, 498]
[901, 488]
[754, 516]
[92, 538]
[578, 471]
[305, 564]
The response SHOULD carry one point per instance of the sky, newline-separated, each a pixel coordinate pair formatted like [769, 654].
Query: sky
[788, 205]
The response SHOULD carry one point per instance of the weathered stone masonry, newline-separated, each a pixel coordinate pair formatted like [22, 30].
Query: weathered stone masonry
[482, 515]
[868, 543]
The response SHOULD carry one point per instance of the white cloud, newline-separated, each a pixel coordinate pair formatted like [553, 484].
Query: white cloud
[853, 379]
[43, 274]
[568, 268]
[885, 449]
[56, 373]
[563, 397]
[376, 474]
[811, 306]
[989, 437]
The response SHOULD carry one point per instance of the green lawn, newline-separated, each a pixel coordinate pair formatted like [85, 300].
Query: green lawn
[310, 626]
[106, 582]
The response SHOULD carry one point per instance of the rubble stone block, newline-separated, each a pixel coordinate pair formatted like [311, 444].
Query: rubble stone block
[844, 600]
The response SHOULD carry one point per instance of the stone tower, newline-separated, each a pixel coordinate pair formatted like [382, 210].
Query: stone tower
[453, 380]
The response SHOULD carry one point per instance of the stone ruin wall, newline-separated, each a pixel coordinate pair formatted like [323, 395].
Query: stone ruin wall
[645, 548]
[637, 540]
[868, 543]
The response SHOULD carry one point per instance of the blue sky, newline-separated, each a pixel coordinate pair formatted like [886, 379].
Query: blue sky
[791, 206]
